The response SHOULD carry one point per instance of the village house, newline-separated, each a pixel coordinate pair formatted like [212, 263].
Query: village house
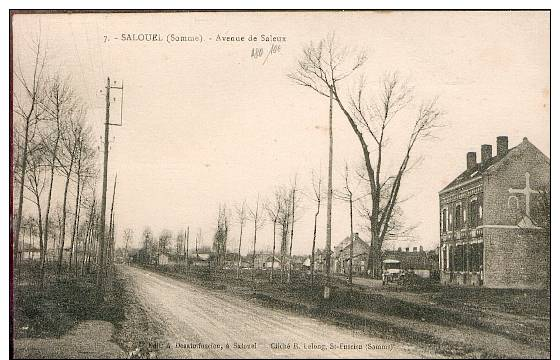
[263, 261]
[491, 228]
[410, 255]
[341, 256]
[414, 259]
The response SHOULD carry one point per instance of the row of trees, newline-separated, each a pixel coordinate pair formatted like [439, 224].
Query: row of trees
[280, 211]
[54, 168]
[377, 117]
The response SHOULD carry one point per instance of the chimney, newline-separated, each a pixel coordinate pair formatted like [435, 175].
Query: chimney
[421, 249]
[501, 145]
[471, 159]
[485, 152]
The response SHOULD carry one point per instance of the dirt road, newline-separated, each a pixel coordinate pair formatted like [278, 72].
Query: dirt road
[198, 322]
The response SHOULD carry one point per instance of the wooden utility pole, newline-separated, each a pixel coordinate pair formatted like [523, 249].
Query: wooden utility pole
[111, 247]
[351, 239]
[327, 289]
[101, 249]
[101, 261]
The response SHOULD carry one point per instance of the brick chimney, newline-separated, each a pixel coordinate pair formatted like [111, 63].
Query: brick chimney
[501, 145]
[485, 152]
[471, 159]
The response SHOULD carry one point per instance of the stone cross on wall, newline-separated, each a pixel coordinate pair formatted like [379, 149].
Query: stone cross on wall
[527, 191]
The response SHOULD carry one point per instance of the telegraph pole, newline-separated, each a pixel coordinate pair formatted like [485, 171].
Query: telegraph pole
[101, 251]
[327, 288]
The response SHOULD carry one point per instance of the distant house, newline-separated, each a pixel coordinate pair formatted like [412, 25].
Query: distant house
[163, 259]
[263, 261]
[204, 259]
[320, 260]
[341, 256]
[268, 264]
[490, 233]
[411, 257]
[417, 260]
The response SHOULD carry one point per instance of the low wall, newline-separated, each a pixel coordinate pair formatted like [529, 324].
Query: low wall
[461, 278]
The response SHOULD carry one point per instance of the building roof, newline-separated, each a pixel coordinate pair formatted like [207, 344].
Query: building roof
[482, 168]
[475, 171]
[345, 243]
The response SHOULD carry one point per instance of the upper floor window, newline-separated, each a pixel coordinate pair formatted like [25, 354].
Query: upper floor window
[473, 213]
[444, 220]
[458, 217]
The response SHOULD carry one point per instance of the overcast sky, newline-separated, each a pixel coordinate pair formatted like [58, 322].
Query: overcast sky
[205, 123]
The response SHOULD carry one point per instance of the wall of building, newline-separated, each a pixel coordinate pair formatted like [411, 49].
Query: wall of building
[515, 256]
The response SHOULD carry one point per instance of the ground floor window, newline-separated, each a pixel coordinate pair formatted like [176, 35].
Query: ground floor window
[444, 258]
[465, 257]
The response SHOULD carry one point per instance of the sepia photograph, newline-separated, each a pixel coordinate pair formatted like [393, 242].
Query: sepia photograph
[280, 184]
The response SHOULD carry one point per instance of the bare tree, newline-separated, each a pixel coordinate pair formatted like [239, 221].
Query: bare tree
[284, 219]
[85, 171]
[147, 245]
[128, 236]
[164, 241]
[37, 179]
[26, 107]
[294, 201]
[58, 103]
[220, 237]
[316, 182]
[347, 195]
[322, 67]
[186, 248]
[90, 233]
[67, 158]
[241, 218]
[180, 242]
[257, 218]
[274, 208]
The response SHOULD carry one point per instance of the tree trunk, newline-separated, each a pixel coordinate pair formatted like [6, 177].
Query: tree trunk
[40, 225]
[292, 233]
[22, 188]
[273, 251]
[254, 246]
[49, 198]
[63, 225]
[187, 248]
[351, 244]
[239, 251]
[76, 209]
[313, 247]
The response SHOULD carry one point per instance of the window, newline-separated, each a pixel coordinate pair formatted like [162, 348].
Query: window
[473, 213]
[458, 217]
[444, 220]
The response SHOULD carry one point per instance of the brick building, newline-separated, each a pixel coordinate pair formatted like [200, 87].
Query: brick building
[491, 228]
